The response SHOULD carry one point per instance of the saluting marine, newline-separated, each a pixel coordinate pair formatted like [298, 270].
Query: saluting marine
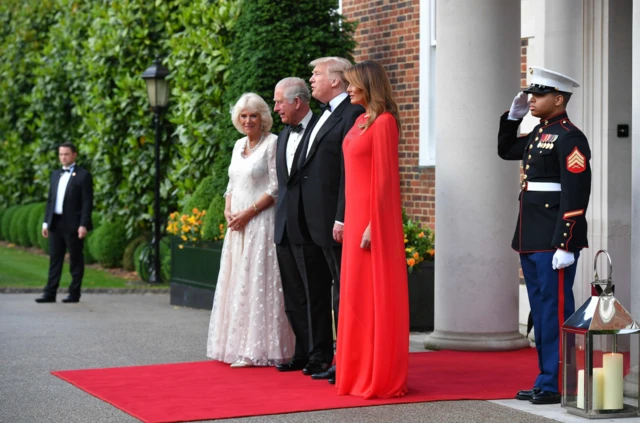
[552, 227]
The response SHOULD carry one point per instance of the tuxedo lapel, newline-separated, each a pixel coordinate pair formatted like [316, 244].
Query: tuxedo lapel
[333, 120]
[54, 184]
[281, 158]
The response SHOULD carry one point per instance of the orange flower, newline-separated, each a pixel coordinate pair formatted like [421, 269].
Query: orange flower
[421, 235]
[411, 262]
[416, 255]
[194, 210]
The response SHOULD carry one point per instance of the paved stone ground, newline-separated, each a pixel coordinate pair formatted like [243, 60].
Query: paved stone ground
[125, 330]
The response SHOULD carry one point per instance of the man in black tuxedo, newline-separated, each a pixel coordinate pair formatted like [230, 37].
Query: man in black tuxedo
[306, 280]
[67, 220]
[321, 169]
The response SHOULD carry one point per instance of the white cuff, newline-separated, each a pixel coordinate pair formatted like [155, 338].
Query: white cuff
[45, 225]
[340, 223]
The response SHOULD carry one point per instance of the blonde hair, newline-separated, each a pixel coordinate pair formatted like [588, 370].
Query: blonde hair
[372, 79]
[335, 65]
[252, 103]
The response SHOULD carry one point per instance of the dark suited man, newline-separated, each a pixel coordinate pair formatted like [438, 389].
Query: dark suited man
[322, 169]
[67, 220]
[306, 280]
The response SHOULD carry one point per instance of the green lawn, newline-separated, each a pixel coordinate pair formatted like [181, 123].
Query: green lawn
[21, 269]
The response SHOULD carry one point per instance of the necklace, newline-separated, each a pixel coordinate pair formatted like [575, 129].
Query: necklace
[255, 147]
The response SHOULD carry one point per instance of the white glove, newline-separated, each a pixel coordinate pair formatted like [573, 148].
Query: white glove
[519, 107]
[562, 259]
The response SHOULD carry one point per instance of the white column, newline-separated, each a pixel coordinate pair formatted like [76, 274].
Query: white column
[631, 382]
[477, 76]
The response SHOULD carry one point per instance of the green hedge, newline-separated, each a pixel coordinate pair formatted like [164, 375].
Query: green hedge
[7, 219]
[213, 219]
[108, 242]
[202, 196]
[35, 219]
[165, 257]
[89, 258]
[2, 210]
[71, 71]
[21, 226]
[128, 258]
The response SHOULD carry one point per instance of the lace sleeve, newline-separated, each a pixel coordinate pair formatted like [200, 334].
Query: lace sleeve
[272, 189]
[229, 189]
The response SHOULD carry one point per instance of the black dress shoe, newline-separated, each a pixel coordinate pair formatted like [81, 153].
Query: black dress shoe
[330, 372]
[45, 299]
[545, 397]
[527, 394]
[71, 299]
[291, 366]
[332, 379]
[314, 367]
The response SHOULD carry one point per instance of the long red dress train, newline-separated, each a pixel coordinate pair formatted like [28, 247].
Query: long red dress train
[373, 328]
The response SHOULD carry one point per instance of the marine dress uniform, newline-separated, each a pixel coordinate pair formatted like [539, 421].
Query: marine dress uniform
[554, 196]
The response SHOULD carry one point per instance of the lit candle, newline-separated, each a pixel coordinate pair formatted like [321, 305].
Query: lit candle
[613, 381]
[598, 388]
[580, 396]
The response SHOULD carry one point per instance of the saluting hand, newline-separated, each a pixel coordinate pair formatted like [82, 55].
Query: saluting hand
[519, 107]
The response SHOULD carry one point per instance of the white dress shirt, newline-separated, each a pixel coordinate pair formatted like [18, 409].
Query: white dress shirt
[333, 103]
[294, 140]
[62, 188]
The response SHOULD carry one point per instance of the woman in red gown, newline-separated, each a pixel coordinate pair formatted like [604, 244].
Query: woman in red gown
[373, 335]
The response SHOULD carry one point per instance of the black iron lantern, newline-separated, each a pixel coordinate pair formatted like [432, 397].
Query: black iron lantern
[157, 85]
[158, 93]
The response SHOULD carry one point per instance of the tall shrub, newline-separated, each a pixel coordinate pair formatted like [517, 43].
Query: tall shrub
[35, 219]
[199, 62]
[26, 25]
[278, 39]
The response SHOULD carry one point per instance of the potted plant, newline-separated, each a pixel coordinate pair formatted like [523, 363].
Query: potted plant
[196, 248]
[420, 254]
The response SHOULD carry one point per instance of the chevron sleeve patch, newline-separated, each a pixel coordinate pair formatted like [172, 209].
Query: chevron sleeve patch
[576, 161]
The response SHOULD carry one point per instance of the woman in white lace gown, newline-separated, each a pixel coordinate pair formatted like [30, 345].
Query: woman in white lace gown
[248, 324]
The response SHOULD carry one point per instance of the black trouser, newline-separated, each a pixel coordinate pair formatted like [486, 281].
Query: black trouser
[62, 239]
[306, 287]
[333, 255]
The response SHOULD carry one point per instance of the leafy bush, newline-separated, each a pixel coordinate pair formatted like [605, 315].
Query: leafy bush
[128, 259]
[2, 210]
[21, 225]
[7, 219]
[89, 258]
[214, 224]
[199, 62]
[108, 242]
[144, 249]
[278, 39]
[35, 219]
[202, 196]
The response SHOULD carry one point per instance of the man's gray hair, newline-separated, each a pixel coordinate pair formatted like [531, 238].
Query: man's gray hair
[294, 87]
[335, 65]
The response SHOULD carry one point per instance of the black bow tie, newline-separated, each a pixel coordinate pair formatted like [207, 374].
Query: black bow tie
[297, 128]
[326, 107]
[66, 170]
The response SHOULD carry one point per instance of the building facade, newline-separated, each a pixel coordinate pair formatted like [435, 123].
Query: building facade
[456, 66]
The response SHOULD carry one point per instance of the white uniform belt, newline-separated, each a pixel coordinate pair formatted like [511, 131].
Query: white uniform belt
[540, 186]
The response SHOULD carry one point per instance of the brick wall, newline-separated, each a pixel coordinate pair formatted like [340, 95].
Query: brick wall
[389, 32]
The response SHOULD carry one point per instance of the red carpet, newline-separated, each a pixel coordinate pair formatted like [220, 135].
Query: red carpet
[211, 390]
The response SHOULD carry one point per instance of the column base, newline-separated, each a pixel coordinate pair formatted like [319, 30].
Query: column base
[462, 341]
[631, 383]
